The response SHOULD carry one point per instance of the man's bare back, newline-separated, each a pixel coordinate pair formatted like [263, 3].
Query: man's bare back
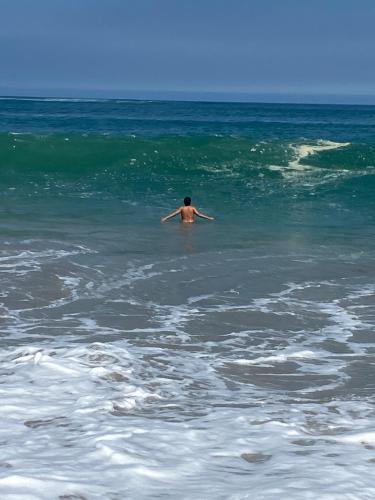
[187, 213]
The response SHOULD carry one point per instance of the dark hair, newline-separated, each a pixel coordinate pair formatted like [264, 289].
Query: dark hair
[187, 201]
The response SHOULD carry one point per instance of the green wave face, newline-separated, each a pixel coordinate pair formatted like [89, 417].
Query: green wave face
[167, 167]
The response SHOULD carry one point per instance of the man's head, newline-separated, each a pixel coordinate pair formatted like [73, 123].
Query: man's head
[187, 201]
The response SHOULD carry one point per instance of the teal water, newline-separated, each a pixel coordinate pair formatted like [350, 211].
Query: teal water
[231, 158]
[220, 360]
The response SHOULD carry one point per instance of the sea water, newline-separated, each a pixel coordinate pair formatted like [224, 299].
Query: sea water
[232, 359]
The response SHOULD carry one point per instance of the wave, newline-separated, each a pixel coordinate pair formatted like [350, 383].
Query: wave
[53, 99]
[238, 168]
[59, 151]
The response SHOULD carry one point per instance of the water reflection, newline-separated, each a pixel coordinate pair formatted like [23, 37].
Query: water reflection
[186, 232]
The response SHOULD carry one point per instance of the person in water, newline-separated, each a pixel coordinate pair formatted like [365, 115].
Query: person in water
[187, 213]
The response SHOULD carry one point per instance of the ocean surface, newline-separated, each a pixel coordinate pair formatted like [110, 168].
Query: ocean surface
[232, 359]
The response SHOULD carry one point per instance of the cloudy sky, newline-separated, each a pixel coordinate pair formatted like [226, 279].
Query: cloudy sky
[147, 48]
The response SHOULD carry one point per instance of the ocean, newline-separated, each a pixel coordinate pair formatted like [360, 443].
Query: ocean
[231, 359]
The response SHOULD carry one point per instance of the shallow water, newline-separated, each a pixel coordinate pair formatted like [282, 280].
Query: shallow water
[232, 359]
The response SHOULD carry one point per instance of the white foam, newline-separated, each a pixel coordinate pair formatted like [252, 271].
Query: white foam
[97, 407]
[359, 438]
[27, 261]
[279, 358]
[304, 150]
[196, 389]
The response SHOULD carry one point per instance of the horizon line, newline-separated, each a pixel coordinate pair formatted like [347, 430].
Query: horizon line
[319, 99]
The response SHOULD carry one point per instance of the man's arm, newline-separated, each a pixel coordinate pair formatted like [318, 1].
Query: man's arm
[203, 216]
[173, 214]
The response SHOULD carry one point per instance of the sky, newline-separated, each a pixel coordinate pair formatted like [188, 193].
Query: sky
[299, 50]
